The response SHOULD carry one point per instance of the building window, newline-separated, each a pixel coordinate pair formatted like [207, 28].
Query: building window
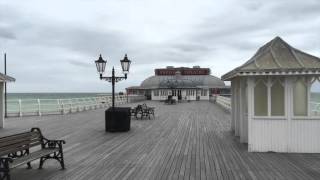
[163, 93]
[277, 98]
[300, 98]
[156, 92]
[174, 93]
[203, 92]
[261, 98]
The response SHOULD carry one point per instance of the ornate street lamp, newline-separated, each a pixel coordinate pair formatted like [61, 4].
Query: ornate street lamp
[101, 64]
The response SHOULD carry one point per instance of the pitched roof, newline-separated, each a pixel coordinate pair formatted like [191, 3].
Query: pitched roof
[277, 56]
[6, 78]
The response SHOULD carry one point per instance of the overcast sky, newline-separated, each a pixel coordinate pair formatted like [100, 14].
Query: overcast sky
[51, 45]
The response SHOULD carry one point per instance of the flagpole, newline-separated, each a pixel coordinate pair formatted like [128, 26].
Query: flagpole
[5, 86]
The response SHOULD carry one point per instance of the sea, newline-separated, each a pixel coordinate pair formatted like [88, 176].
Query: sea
[24, 96]
[29, 101]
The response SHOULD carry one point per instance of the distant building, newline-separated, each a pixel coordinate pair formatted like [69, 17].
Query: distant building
[182, 83]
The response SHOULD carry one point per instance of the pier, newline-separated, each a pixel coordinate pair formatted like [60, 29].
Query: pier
[184, 141]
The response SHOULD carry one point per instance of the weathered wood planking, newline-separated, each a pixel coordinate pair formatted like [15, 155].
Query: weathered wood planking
[184, 141]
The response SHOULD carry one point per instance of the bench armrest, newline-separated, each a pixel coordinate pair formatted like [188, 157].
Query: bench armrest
[4, 162]
[47, 143]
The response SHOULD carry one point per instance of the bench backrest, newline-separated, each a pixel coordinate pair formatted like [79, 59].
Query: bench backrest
[19, 142]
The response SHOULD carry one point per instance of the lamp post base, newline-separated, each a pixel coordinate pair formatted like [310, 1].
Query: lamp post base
[118, 119]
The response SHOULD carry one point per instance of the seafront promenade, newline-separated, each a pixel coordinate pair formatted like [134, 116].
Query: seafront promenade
[183, 141]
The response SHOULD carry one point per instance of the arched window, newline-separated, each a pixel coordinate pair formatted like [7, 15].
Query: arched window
[314, 102]
[260, 98]
[300, 97]
[277, 97]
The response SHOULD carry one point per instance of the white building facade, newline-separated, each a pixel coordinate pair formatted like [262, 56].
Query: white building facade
[276, 100]
[180, 84]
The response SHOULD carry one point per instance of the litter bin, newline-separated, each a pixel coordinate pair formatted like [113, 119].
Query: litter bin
[118, 119]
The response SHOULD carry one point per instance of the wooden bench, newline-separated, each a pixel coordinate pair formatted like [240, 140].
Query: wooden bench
[22, 148]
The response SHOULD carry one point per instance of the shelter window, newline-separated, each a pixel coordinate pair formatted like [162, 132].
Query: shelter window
[261, 98]
[277, 98]
[300, 97]
[314, 103]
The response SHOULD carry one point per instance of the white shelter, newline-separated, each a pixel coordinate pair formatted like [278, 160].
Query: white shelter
[276, 100]
[3, 79]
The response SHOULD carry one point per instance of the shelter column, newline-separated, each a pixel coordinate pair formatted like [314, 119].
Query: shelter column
[233, 107]
[237, 100]
[243, 111]
[250, 86]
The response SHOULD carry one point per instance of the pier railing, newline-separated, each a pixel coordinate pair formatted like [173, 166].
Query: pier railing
[224, 101]
[39, 107]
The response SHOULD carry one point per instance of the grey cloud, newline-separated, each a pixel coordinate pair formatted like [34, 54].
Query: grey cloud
[190, 47]
[80, 64]
[6, 34]
[61, 51]
[76, 39]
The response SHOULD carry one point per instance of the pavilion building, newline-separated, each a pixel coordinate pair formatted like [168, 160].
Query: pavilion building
[276, 100]
[182, 83]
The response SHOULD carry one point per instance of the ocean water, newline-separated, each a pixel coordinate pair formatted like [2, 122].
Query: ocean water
[24, 96]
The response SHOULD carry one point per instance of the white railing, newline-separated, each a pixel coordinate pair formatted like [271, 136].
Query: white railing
[31, 107]
[223, 101]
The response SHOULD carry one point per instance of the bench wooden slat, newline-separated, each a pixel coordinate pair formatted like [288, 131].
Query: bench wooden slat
[17, 136]
[15, 141]
[21, 141]
[32, 156]
[5, 140]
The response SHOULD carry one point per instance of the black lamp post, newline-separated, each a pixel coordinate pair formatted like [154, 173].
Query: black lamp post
[101, 64]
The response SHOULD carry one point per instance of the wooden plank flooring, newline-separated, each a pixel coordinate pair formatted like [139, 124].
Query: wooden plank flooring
[184, 141]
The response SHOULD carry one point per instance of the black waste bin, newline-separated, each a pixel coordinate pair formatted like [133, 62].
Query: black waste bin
[118, 119]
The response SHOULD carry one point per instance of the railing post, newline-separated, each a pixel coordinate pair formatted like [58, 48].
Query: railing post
[78, 105]
[62, 107]
[20, 109]
[59, 106]
[39, 107]
[70, 100]
[97, 102]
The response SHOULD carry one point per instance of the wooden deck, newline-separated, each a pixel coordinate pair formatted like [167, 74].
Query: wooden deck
[184, 141]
